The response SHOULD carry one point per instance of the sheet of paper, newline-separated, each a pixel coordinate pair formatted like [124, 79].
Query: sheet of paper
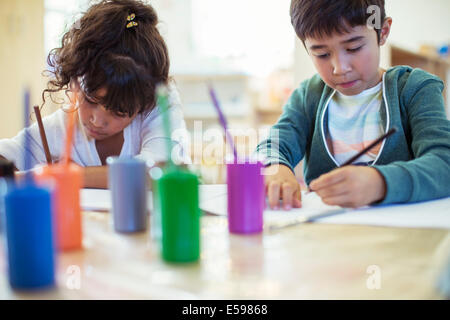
[311, 206]
[100, 200]
[430, 214]
[213, 200]
[95, 200]
[211, 191]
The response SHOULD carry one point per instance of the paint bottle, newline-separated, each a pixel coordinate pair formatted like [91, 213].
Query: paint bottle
[128, 184]
[66, 181]
[178, 200]
[29, 227]
[29, 237]
[245, 185]
[180, 215]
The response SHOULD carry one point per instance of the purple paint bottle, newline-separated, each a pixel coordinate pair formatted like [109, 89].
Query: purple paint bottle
[245, 184]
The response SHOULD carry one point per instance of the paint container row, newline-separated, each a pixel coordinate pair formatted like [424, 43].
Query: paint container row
[43, 214]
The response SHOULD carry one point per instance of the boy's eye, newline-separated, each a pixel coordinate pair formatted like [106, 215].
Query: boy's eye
[354, 50]
[322, 56]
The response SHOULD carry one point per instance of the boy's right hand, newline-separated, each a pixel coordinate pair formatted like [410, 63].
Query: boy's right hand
[281, 184]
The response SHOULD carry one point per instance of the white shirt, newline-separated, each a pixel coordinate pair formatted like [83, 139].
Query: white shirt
[354, 122]
[144, 138]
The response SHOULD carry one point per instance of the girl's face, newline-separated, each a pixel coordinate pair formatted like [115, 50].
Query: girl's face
[98, 122]
[349, 62]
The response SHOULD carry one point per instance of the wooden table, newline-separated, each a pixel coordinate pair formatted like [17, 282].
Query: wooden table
[309, 261]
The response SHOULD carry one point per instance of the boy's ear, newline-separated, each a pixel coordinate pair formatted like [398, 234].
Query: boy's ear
[385, 29]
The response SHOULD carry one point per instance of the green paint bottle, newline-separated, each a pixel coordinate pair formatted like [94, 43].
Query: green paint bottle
[177, 192]
[180, 216]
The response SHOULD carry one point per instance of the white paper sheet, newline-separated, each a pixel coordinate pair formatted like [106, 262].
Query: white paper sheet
[430, 214]
[213, 200]
[100, 200]
[95, 200]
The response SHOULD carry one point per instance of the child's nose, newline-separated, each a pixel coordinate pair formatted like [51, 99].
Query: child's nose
[97, 120]
[341, 66]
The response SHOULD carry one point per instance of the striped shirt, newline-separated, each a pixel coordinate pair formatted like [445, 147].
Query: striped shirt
[353, 123]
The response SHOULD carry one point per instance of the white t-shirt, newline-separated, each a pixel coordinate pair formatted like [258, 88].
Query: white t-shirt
[144, 138]
[354, 122]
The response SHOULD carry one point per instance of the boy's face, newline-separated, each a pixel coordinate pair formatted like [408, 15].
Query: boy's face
[349, 62]
[98, 122]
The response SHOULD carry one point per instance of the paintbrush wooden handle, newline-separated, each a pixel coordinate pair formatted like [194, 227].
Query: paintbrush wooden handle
[48, 156]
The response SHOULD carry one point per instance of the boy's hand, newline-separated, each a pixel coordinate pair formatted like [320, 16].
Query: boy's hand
[280, 183]
[350, 186]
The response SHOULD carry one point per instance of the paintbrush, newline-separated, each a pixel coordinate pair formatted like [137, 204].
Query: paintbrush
[48, 156]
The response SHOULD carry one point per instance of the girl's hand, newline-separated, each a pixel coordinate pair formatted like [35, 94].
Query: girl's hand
[280, 183]
[350, 186]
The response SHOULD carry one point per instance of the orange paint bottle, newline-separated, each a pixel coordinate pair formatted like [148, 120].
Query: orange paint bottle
[67, 179]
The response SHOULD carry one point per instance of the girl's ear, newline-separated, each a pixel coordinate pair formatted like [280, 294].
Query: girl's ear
[74, 85]
[73, 89]
[385, 29]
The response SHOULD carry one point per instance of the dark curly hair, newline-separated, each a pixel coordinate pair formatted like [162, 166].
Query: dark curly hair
[102, 52]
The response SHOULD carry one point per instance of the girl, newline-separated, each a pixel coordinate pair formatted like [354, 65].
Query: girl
[112, 59]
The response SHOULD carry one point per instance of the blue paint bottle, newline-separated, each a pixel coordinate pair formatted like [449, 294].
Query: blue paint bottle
[29, 229]
[29, 237]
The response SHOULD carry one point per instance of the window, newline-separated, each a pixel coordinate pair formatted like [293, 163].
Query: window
[59, 16]
[255, 36]
[251, 36]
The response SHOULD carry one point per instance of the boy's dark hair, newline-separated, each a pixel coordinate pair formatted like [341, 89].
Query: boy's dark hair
[318, 18]
[102, 52]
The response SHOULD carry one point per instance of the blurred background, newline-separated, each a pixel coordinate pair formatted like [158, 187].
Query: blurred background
[246, 48]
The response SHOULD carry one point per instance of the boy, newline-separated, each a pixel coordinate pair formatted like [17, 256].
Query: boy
[350, 103]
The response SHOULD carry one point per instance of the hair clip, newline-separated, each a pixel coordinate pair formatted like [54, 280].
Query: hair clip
[131, 23]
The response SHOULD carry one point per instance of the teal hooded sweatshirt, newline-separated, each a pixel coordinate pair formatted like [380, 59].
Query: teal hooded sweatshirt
[415, 161]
